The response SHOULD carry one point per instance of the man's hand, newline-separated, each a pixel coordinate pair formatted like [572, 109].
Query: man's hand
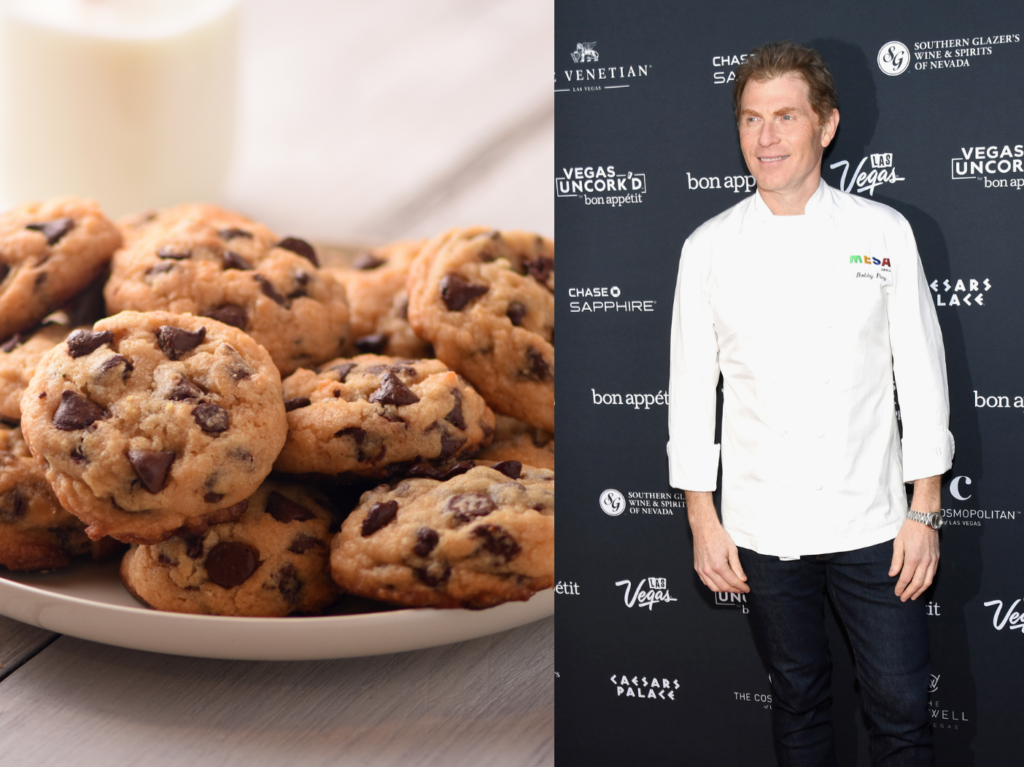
[915, 552]
[715, 557]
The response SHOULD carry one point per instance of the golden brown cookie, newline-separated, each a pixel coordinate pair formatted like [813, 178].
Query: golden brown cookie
[485, 300]
[19, 356]
[215, 263]
[49, 252]
[518, 441]
[481, 538]
[272, 561]
[364, 415]
[151, 423]
[36, 533]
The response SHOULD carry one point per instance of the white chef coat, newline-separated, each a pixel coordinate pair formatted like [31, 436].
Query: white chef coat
[807, 318]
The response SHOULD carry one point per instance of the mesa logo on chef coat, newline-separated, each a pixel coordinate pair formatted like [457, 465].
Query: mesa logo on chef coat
[653, 688]
[588, 73]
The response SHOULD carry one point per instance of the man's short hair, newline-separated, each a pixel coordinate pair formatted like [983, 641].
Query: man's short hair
[774, 60]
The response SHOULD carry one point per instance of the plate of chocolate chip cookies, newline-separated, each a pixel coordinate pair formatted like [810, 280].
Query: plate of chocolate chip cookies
[221, 442]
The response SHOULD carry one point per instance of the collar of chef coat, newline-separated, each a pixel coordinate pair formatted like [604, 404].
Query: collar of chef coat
[818, 208]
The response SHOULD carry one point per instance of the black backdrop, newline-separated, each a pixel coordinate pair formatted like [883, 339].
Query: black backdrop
[651, 668]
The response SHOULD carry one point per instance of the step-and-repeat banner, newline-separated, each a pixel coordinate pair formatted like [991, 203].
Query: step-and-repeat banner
[652, 667]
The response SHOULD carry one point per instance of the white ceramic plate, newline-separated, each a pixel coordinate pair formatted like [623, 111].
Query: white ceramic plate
[89, 602]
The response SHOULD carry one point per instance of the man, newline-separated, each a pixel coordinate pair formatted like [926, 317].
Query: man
[808, 302]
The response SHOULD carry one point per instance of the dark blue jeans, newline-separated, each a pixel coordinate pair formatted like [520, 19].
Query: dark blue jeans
[890, 646]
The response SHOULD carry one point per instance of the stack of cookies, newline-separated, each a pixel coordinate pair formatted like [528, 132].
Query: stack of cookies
[238, 392]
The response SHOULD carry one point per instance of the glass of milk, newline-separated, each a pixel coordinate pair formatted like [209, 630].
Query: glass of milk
[129, 102]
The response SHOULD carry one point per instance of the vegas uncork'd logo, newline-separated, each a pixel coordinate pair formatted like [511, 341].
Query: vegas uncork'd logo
[591, 74]
[602, 185]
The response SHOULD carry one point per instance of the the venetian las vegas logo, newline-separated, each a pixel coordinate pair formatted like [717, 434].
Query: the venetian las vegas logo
[595, 78]
[585, 52]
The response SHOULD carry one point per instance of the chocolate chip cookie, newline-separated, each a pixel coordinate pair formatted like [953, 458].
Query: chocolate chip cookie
[19, 356]
[517, 441]
[215, 263]
[378, 302]
[49, 252]
[272, 561]
[481, 538]
[152, 423]
[36, 533]
[485, 300]
[364, 415]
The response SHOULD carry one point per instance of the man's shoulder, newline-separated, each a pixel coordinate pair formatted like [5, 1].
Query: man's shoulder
[857, 209]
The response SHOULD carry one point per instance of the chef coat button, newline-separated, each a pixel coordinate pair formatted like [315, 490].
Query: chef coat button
[821, 434]
[817, 487]
[824, 381]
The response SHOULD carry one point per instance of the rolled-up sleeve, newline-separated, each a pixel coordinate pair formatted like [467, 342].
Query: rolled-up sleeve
[694, 371]
[919, 363]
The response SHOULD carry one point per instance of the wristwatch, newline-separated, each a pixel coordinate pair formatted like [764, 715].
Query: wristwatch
[933, 520]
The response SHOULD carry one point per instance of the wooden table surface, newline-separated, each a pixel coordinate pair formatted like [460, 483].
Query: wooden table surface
[359, 123]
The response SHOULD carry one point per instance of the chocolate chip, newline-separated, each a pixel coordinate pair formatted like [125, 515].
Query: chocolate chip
[374, 344]
[450, 445]
[160, 269]
[213, 419]
[367, 261]
[234, 261]
[12, 507]
[393, 392]
[511, 469]
[4, 271]
[213, 497]
[78, 456]
[286, 510]
[193, 545]
[175, 342]
[76, 412]
[241, 454]
[380, 514]
[516, 312]
[53, 230]
[540, 268]
[423, 470]
[299, 247]
[152, 467]
[496, 540]
[230, 563]
[230, 314]
[294, 403]
[354, 432]
[82, 342]
[457, 292]
[302, 543]
[403, 309]
[431, 579]
[230, 234]
[467, 506]
[15, 341]
[269, 291]
[342, 370]
[115, 361]
[163, 559]
[455, 417]
[426, 540]
[40, 279]
[288, 583]
[298, 293]
[169, 251]
[538, 369]
[184, 390]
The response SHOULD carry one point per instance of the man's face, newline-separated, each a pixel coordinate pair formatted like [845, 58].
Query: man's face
[782, 138]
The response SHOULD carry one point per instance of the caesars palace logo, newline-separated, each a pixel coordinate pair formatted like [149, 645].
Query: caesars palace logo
[894, 57]
[589, 73]
[960, 292]
[653, 688]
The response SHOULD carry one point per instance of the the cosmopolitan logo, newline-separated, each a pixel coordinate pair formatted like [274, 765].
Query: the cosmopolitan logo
[602, 299]
[590, 73]
[894, 58]
[881, 170]
[990, 165]
[602, 185]
[960, 292]
[655, 688]
[1009, 618]
[727, 599]
[648, 593]
[962, 488]
[613, 503]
